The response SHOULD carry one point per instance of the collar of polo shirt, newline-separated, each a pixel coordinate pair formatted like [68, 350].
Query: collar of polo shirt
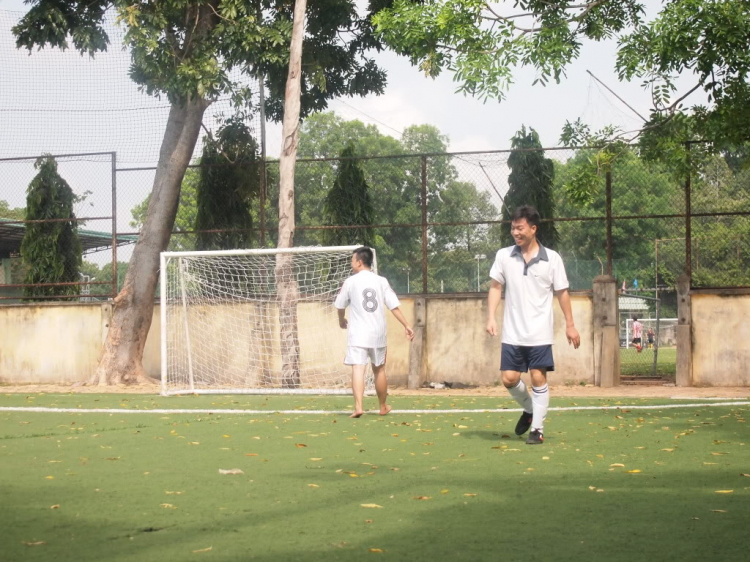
[540, 256]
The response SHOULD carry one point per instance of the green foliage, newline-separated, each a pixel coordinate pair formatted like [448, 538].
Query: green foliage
[483, 43]
[708, 40]
[229, 180]
[103, 274]
[190, 49]
[186, 213]
[11, 213]
[530, 183]
[348, 202]
[51, 251]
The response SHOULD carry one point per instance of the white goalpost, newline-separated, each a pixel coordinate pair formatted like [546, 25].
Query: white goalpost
[221, 323]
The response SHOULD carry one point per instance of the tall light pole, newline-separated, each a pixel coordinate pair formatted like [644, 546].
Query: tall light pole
[408, 280]
[479, 257]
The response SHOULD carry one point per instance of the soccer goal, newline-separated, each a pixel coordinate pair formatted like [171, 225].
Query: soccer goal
[254, 321]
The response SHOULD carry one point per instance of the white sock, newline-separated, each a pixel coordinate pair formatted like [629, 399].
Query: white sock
[521, 395]
[540, 399]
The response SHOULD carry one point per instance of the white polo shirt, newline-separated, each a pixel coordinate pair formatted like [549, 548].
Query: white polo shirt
[367, 295]
[529, 291]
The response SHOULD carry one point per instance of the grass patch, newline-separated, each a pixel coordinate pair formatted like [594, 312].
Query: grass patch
[633, 363]
[450, 486]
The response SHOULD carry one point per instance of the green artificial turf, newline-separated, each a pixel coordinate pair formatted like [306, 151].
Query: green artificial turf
[147, 486]
[636, 364]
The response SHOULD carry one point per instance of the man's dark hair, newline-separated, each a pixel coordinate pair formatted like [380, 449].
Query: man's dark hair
[364, 254]
[527, 212]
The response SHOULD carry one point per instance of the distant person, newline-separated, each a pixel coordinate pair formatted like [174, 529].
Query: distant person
[532, 275]
[650, 338]
[366, 294]
[637, 332]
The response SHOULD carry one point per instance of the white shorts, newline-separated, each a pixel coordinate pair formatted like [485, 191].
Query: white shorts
[360, 355]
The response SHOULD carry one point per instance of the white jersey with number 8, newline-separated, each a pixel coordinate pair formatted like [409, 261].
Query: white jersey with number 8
[367, 295]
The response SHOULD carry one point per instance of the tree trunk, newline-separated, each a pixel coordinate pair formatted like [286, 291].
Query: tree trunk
[286, 283]
[122, 358]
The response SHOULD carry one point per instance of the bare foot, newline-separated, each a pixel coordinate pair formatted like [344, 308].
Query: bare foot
[385, 409]
[356, 414]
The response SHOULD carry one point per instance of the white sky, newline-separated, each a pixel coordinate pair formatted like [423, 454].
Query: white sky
[410, 98]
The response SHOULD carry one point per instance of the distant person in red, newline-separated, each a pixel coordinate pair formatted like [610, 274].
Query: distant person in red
[637, 332]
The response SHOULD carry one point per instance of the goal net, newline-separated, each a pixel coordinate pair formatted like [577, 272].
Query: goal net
[254, 321]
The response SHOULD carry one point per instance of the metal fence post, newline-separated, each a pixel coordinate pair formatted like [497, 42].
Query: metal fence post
[688, 222]
[424, 224]
[115, 284]
[608, 190]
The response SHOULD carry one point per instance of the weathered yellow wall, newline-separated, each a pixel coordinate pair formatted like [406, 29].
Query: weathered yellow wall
[49, 343]
[721, 336]
[459, 350]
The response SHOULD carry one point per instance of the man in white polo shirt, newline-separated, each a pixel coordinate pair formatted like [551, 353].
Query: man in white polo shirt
[531, 274]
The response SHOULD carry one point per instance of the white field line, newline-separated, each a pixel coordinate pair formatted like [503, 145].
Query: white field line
[238, 412]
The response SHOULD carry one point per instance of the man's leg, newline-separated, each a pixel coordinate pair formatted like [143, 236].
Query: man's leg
[358, 389]
[517, 389]
[381, 387]
[539, 398]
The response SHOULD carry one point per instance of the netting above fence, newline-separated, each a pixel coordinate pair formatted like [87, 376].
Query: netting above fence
[60, 102]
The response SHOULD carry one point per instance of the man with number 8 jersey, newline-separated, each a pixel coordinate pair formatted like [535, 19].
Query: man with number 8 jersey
[367, 295]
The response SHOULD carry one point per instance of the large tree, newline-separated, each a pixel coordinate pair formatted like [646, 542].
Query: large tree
[348, 202]
[229, 181]
[187, 51]
[530, 183]
[51, 251]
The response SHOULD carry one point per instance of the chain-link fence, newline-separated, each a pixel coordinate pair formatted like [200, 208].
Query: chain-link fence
[436, 220]
[57, 225]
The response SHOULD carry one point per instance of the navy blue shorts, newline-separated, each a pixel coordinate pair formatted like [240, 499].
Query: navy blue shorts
[521, 358]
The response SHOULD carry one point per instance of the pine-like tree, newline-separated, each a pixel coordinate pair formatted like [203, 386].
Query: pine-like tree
[530, 183]
[51, 251]
[348, 202]
[229, 180]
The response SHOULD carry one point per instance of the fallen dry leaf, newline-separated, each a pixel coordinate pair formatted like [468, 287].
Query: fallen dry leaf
[377, 550]
[617, 465]
[50, 477]
[592, 487]
[373, 505]
[368, 520]
[741, 474]
[313, 486]
[251, 454]
[300, 445]
[167, 506]
[636, 471]
[226, 436]
[203, 550]
[719, 454]
[56, 506]
[422, 498]
[194, 443]
[230, 471]
[316, 459]
[37, 543]
[724, 491]
[444, 491]
[469, 495]
[719, 510]
[113, 458]
[668, 450]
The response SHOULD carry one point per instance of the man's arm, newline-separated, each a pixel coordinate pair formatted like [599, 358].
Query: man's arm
[342, 319]
[493, 301]
[571, 333]
[400, 317]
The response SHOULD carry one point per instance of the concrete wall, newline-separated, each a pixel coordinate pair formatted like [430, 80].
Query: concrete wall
[51, 343]
[720, 336]
[457, 348]
[38, 341]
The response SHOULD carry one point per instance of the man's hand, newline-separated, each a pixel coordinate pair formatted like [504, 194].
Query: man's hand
[573, 337]
[343, 324]
[491, 327]
[409, 333]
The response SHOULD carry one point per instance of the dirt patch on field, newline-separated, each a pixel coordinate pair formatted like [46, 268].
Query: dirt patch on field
[634, 391]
